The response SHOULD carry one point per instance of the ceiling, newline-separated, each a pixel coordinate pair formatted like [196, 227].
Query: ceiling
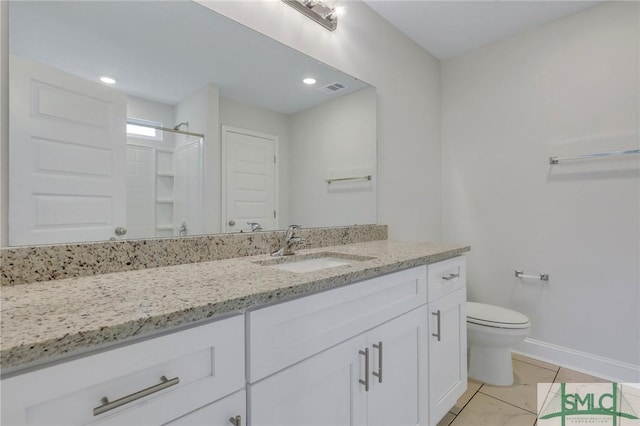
[450, 28]
[166, 50]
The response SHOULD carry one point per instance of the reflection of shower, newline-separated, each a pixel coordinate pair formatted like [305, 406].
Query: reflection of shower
[184, 123]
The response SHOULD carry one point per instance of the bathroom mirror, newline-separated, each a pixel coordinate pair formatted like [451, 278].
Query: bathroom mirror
[254, 143]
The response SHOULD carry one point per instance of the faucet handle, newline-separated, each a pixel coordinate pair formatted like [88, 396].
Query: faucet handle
[290, 231]
[255, 226]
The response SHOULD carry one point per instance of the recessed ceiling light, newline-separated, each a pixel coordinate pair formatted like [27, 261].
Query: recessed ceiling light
[107, 80]
[309, 80]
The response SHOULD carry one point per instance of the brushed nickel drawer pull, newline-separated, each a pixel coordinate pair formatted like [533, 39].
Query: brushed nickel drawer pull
[437, 315]
[236, 421]
[365, 382]
[110, 405]
[378, 373]
[451, 277]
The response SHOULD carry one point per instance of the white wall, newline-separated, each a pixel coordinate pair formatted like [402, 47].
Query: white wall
[249, 117]
[568, 87]
[145, 109]
[336, 139]
[4, 123]
[407, 79]
[201, 110]
[141, 199]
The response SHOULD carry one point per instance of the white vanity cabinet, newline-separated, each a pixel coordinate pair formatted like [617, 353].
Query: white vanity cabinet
[354, 355]
[152, 382]
[389, 350]
[447, 336]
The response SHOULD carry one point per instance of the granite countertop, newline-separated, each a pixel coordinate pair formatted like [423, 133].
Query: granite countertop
[45, 321]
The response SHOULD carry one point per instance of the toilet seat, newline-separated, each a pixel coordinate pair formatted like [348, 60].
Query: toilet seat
[495, 316]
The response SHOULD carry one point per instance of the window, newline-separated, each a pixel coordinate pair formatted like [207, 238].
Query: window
[138, 128]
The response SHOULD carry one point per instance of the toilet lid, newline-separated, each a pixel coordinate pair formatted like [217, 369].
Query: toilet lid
[495, 316]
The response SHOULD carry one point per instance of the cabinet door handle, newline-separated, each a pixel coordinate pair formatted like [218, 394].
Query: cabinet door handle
[236, 421]
[450, 277]
[365, 382]
[437, 334]
[378, 374]
[110, 405]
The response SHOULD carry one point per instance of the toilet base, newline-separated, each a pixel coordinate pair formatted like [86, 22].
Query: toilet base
[491, 365]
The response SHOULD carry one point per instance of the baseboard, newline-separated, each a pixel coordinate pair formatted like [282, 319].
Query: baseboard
[606, 368]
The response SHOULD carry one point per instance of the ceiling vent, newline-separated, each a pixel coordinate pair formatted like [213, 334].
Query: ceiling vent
[333, 88]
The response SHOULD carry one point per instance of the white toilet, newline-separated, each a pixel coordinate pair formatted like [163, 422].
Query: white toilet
[491, 331]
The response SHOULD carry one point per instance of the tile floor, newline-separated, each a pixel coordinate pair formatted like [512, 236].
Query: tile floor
[486, 405]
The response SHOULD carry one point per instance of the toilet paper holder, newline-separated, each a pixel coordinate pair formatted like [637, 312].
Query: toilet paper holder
[541, 277]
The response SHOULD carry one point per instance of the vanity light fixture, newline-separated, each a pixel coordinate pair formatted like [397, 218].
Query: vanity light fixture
[107, 80]
[320, 12]
[309, 80]
[340, 11]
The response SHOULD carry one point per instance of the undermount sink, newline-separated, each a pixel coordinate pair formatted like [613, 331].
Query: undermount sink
[312, 262]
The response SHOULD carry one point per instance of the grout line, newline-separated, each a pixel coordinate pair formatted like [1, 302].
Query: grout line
[539, 366]
[513, 405]
[546, 397]
[597, 379]
[455, 416]
[467, 403]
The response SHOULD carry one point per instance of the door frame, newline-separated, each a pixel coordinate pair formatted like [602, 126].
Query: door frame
[223, 160]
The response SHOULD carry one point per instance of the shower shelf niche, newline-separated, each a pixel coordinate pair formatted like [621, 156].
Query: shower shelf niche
[165, 186]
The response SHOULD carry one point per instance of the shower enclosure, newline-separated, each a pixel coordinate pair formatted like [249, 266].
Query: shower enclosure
[164, 182]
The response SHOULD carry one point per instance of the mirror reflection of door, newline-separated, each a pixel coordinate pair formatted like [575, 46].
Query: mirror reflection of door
[67, 157]
[249, 180]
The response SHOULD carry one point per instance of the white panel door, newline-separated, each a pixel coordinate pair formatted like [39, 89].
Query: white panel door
[249, 179]
[398, 389]
[67, 160]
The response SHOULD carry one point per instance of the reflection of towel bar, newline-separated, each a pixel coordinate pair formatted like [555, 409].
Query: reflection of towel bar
[556, 160]
[367, 177]
[542, 277]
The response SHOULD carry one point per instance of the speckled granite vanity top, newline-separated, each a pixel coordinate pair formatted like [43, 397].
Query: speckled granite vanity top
[47, 320]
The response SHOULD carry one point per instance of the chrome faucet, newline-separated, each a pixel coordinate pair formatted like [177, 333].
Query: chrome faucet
[255, 226]
[290, 242]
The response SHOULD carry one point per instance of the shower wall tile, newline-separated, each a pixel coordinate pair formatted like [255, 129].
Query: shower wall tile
[22, 265]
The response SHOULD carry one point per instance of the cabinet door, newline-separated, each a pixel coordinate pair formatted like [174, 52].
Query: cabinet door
[321, 390]
[447, 353]
[218, 413]
[398, 391]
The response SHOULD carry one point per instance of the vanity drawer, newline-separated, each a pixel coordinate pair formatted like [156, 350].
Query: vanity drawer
[284, 334]
[197, 366]
[446, 277]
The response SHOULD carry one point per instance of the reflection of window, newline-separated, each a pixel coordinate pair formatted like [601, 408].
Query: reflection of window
[138, 128]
